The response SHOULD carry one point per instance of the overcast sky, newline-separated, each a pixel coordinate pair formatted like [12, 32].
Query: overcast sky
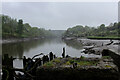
[62, 15]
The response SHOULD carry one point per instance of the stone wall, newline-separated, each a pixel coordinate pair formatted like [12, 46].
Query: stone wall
[113, 55]
[76, 74]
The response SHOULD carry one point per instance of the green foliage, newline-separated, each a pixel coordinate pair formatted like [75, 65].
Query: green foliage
[81, 63]
[11, 28]
[85, 63]
[57, 60]
[67, 63]
[49, 64]
[112, 30]
[106, 37]
[71, 61]
[106, 57]
[82, 57]
[108, 66]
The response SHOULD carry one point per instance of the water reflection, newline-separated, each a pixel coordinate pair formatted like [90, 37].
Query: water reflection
[33, 47]
[30, 48]
[73, 44]
[13, 49]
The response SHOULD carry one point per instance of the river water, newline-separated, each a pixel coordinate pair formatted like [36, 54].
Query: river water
[33, 47]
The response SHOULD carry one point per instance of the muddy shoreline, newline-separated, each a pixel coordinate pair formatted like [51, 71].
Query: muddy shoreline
[14, 40]
[83, 40]
[91, 42]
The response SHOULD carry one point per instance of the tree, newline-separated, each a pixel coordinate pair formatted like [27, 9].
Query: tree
[13, 28]
[102, 27]
[101, 31]
[20, 27]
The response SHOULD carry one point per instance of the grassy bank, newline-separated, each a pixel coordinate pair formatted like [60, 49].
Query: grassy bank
[106, 37]
[70, 61]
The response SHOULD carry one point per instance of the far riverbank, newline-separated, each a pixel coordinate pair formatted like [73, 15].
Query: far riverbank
[13, 40]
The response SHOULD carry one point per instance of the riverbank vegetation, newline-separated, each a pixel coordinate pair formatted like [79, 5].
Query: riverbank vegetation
[101, 32]
[13, 28]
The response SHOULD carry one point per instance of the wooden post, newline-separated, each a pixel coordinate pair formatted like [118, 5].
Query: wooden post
[24, 62]
[54, 56]
[63, 54]
[45, 59]
[8, 62]
[51, 56]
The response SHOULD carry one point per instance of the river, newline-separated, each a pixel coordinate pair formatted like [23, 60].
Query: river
[33, 47]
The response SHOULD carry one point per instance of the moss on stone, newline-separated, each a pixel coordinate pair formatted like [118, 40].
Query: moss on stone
[106, 57]
[108, 66]
[49, 64]
[57, 60]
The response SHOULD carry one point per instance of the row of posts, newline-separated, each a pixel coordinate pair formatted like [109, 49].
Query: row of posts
[44, 59]
[28, 64]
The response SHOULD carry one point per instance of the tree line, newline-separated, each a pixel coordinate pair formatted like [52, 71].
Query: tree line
[13, 28]
[113, 30]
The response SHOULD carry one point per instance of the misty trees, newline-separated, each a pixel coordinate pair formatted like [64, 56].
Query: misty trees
[75, 31]
[11, 28]
[119, 29]
[101, 31]
[8, 26]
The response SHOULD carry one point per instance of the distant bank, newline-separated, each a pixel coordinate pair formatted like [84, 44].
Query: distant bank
[107, 38]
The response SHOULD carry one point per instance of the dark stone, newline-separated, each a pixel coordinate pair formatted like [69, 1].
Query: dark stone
[113, 55]
[105, 52]
[67, 56]
[76, 74]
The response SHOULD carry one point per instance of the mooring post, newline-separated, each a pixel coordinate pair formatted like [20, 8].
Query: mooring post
[63, 54]
[24, 62]
[51, 56]
[45, 59]
[54, 56]
[8, 63]
[11, 61]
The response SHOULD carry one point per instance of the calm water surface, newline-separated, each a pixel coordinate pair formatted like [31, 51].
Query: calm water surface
[31, 48]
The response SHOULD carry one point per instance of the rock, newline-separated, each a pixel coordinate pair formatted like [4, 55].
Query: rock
[67, 56]
[74, 65]
[117, 43]
[88, 47]
[105, 52]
